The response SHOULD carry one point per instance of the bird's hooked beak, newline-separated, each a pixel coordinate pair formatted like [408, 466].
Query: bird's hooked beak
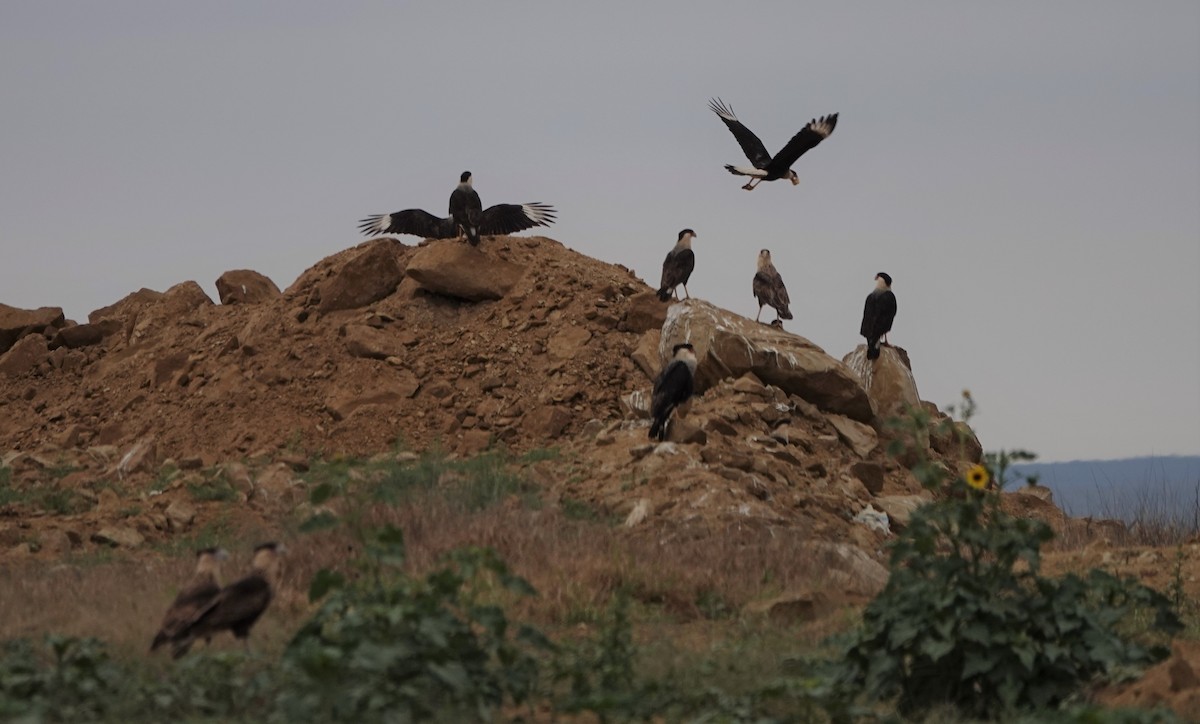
[795, 179]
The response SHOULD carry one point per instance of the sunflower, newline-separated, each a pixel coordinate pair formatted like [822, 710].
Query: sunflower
[977, 477]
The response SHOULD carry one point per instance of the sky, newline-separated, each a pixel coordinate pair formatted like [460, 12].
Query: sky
[1027, 172]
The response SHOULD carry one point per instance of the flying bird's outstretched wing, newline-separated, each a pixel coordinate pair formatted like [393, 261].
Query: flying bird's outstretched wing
[410, 221]
[816, 131]
[750, 143]
[509, 218]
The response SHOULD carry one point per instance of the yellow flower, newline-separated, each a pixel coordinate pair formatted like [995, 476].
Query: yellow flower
[977, 477]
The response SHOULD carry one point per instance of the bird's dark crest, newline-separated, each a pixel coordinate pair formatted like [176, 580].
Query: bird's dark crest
[887, 278]
[685, 345]
[685, 232]
[463, 178]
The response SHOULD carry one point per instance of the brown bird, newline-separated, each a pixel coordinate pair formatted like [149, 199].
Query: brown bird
[677, 267]
[769, 289]
[239, 605]
[198, 593]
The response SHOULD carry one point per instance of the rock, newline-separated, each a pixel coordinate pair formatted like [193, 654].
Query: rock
[749, 384]
[276, 483]
[547, 423]
[55, 542]
[890, 384]
[645, 312]
[85, 335]
[463, 271]
[181, 299]
[365, 341]
[728, 345]
[848, 567]
[641, 511]
[24, 356]
[387, 389]
[245, 286]
[140, 456]
[874, 519]
[869, 474]
[568, 343]
[637, 404]
[791, 608]
[900, 508]
[645, 355]
[16, 323]
[128, 307]
[861, 438]
[180, 515]
[475, 442]
[371, 275]
[118, 535]
[683, 432]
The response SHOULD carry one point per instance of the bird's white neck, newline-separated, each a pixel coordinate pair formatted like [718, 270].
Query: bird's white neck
[685, 242]
[688, 357]
[880, 285]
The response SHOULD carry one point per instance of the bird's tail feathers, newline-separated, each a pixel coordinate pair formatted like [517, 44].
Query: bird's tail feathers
[745, 170]
[873, 348]
[657, 428]
[159, 640]
[664, 294]
[784, 313]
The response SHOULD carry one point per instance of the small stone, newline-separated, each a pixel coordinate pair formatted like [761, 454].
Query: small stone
[118, 535]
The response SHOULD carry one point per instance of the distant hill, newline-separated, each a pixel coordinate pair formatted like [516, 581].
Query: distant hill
[1167, 485]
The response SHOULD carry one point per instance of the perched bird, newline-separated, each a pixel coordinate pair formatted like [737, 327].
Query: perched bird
[675, 384]
[677, 267]
[766, 168]
[197, 594]
[238, 606]
[467, 216]
[466, 209]
[769, 289]
[878, 313]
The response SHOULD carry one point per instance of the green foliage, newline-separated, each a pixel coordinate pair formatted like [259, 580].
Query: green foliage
[73, 680]
[966, 618]
[217, 488]
[411, 648]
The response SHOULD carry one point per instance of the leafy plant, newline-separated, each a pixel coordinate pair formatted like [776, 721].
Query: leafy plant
[387, 642]
[73, 681]
[966, 619]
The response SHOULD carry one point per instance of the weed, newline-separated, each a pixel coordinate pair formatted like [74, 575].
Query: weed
[216, 488]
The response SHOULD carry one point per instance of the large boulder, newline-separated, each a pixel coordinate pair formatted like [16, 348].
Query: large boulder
[888, 380]
[645, 312]
[371, 275]
[85, 335]
[25, 355]
[245, 286]
[463, 271]
[127, 307]
[729, 345]
[16, 323]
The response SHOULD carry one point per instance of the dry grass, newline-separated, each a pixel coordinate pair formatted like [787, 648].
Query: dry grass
[577, 566]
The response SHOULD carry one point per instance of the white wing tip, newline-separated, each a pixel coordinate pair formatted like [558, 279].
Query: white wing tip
[538, 214]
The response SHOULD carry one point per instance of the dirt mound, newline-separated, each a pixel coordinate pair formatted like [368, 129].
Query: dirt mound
[1174, 684]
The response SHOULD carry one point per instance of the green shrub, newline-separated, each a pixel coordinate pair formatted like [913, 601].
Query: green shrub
[73, 681]
[410, 648]
[966, 619]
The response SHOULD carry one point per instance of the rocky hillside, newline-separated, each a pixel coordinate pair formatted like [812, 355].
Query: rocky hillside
[521, 343]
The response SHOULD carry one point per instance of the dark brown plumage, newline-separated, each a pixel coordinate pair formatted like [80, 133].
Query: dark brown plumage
[766, 167]
[467, 217]
[677, 267]
[199, 592]
[769, 289]
[238, 606]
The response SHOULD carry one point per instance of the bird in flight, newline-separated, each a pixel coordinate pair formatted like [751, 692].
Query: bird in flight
[467, 218]
[765, 167]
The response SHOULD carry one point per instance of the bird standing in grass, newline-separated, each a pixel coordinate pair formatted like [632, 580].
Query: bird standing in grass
[769, 289]
[764, 166]
[879, 312]
[467, 217]
[199, 592]
[677, 267]
[674, 386]
[238, 606]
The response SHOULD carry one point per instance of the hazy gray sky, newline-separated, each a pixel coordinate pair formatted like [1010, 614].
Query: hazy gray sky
[1028, 172]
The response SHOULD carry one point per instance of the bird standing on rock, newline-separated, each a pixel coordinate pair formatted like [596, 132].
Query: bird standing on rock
[674, 386]
[467, 217]
[878, 313]
[677, 267]
[769, 289]
[764, 166]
